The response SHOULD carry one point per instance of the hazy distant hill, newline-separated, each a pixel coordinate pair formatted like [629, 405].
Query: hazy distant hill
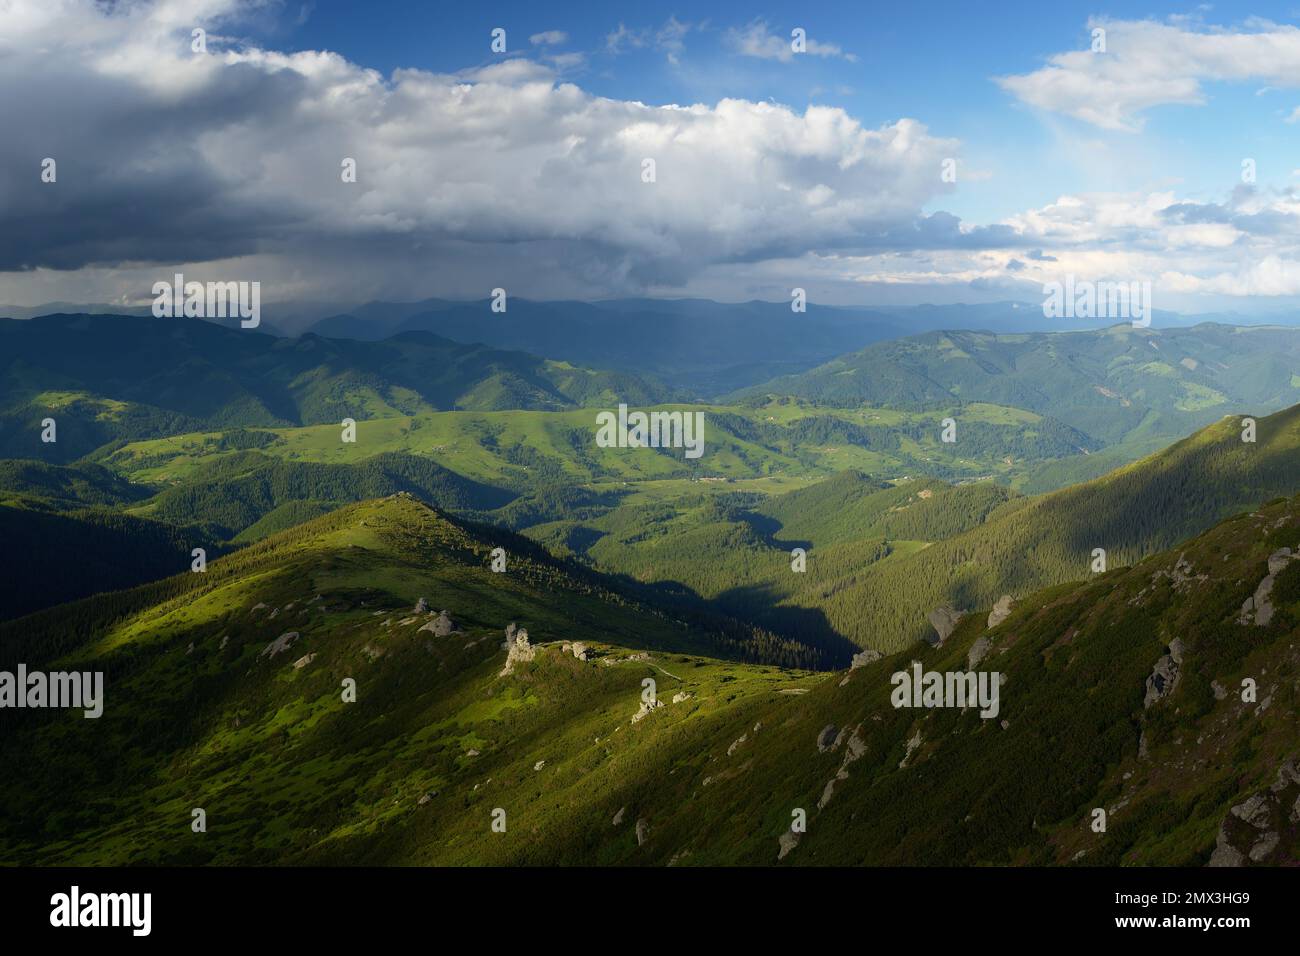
[105, 378]
[1143, 387]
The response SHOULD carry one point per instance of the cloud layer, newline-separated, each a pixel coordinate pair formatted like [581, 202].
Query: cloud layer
[226, 163]
[1143, 63]
[165, 155]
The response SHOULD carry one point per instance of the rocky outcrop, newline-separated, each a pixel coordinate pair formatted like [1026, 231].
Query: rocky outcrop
[826, 738]
[279, 645]
[421, 607]
[853, 751]
[1258, 607]
[618, 817]
[861, 659]
[303, 661]
[1254, 829]
[864, 657]
[518, 650]
[944, 620]
[789, 840]
[441, 626]
[978, 651]
[646, 708]
[1002, 610]
[912, 744]
[581, 651]
[1164, 678]
[642, 831]
[681, 696]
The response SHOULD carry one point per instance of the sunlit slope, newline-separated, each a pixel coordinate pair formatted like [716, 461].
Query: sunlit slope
[1132, 512]
[441, 743]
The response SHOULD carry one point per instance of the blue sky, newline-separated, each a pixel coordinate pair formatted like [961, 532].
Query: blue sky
[821, 170]
[931, 61]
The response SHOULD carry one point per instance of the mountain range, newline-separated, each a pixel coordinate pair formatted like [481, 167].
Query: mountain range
[712, 646]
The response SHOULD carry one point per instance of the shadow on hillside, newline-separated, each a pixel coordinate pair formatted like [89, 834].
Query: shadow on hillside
[743, 610]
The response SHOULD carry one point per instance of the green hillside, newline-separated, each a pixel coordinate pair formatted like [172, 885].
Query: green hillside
[58, 556]
[202, 710]
[1130, 513]
[170, 376]
[1132, 388]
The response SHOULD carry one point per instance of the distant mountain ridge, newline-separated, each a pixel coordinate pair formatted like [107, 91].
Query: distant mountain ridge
[106, 378]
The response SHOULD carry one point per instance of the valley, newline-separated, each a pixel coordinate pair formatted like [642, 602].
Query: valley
[710, 641]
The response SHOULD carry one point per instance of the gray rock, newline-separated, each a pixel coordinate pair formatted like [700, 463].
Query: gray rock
[1001, 611]
[944, 620]
[1287, 774]
[618, 817]
[642, 831]
[864, 657]
[1176, 650]
[518, 650]
[826, 738]
[1225, 854]
[1164, 678]
[421, 606]
[1254, 811]
[1264, 847]
[279, 645]
[789, 840]
[978, 651]
[646, 708]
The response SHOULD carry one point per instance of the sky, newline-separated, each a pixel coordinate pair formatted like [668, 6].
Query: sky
[907, 153]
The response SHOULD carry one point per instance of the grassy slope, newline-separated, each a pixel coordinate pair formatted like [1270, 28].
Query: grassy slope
[528, 448]
[1130, 513]
[288, 773]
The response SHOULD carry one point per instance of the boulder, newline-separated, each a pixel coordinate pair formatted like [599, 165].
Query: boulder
[618, 817]
[1254, 811]
[1001, 611]
[279, 645]
[944, 620]
[826, 738]
[421, 607]
[581, 651]
[518, 650]
[642, 831]
[978, 651]
[789, 840]
[864, 657]
[1164, 678]
[1264, 847]
[1225, 854]
[646, 708]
